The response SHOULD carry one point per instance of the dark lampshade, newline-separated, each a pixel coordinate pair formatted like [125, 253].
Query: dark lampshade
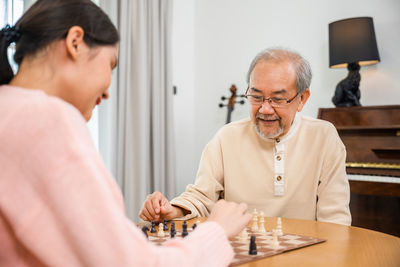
[352, 41]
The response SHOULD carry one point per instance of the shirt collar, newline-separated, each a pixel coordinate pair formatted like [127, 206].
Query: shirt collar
[292, 131]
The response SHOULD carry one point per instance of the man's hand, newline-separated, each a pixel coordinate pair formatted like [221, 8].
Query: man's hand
[157, 207]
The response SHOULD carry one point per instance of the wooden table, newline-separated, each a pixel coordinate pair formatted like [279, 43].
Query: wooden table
[345, 246]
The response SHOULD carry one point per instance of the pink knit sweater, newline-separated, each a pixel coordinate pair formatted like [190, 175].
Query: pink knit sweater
[59, 206]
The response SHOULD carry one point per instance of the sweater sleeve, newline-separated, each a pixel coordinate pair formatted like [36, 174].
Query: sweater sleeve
[76, 216]
[333, 190]
[200, 197]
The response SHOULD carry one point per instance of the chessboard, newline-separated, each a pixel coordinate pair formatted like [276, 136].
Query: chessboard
[264, 243]
[265, 247]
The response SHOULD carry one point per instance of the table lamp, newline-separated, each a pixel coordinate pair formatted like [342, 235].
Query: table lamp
[352, 44]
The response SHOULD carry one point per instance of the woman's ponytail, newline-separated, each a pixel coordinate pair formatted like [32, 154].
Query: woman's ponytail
[8, 35]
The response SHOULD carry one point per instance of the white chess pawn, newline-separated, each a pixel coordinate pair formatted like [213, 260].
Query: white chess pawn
[254, 227]
[243, 236]
[161, 230]
[255, 213]
[279, 226]
[261, 228]
[275, 241]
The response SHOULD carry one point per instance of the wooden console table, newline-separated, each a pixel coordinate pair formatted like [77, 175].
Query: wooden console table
[371, 135]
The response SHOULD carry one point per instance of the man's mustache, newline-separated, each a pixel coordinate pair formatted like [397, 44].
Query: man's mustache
[267, 117]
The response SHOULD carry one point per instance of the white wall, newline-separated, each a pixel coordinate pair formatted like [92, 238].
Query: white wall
[215, 40]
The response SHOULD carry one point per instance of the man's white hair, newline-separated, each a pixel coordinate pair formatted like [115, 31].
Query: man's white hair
[301, 66]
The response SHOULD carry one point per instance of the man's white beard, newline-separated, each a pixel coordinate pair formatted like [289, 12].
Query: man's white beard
[270, 135]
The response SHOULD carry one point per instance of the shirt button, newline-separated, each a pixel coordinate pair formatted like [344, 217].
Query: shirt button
[278, 158]
[279, 178]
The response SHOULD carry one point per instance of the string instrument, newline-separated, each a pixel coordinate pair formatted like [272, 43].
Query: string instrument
[231, 102]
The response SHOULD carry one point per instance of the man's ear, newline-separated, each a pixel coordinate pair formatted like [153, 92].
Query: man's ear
[74, 41]
[303, 99]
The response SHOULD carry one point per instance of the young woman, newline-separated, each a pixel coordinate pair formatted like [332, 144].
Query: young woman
[59, 206]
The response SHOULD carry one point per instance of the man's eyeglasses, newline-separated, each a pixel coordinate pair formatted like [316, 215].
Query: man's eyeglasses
[273, 101]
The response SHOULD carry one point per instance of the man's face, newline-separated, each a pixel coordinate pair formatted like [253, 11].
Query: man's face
[275, 80]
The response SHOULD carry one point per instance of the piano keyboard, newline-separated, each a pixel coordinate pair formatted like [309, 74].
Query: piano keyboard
[370, 178]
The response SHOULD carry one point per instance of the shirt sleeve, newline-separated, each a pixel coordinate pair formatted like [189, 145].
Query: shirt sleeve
[333, 189]
[76, 215]
[200, 197]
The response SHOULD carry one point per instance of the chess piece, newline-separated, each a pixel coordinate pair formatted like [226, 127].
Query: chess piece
[243, 236]
[161, 230]
[153, 227]
[198, 222]
[254, 227]
[173, 234]
[165, 228]
[184, 229]
[144, 230]
[173, 231]
[194, 226]
[255, 213]
[261, 228]
[275, 241]
[279, 226]
[253, 245]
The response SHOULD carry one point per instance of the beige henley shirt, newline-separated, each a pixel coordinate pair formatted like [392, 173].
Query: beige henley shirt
[301, 175]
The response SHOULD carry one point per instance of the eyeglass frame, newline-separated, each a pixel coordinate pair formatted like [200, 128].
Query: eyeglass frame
[269, 99]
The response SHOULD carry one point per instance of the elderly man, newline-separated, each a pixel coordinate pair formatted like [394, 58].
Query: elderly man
[278, 161]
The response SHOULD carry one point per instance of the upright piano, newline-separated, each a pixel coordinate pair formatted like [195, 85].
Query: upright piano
[371, 135]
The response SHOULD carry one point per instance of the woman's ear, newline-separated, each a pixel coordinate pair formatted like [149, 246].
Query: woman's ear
[74, 41]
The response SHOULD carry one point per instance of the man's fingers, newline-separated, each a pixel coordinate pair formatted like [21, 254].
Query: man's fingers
[165, 208]
[148, 215]
[149, 207]
[153, 205]
[162, 205]
[144, 218]
[155, 202]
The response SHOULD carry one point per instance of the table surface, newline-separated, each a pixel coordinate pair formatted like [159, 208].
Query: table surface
[345, 246]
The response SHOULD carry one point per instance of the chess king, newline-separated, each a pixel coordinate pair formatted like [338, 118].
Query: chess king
[277, 161]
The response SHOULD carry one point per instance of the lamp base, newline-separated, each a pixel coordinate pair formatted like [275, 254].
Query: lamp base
[347, 91]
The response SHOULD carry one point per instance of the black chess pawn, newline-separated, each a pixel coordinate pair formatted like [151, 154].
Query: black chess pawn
[145, 229]
[173, 228]
[184, 229]
[253, 245]
[172, 234]
[194, 226]
[153, 227]
[165, 228]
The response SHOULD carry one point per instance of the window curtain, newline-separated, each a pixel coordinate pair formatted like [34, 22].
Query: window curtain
[136, 124]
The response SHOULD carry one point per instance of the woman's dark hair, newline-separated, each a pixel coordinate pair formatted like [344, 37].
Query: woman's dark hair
[47, 21]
